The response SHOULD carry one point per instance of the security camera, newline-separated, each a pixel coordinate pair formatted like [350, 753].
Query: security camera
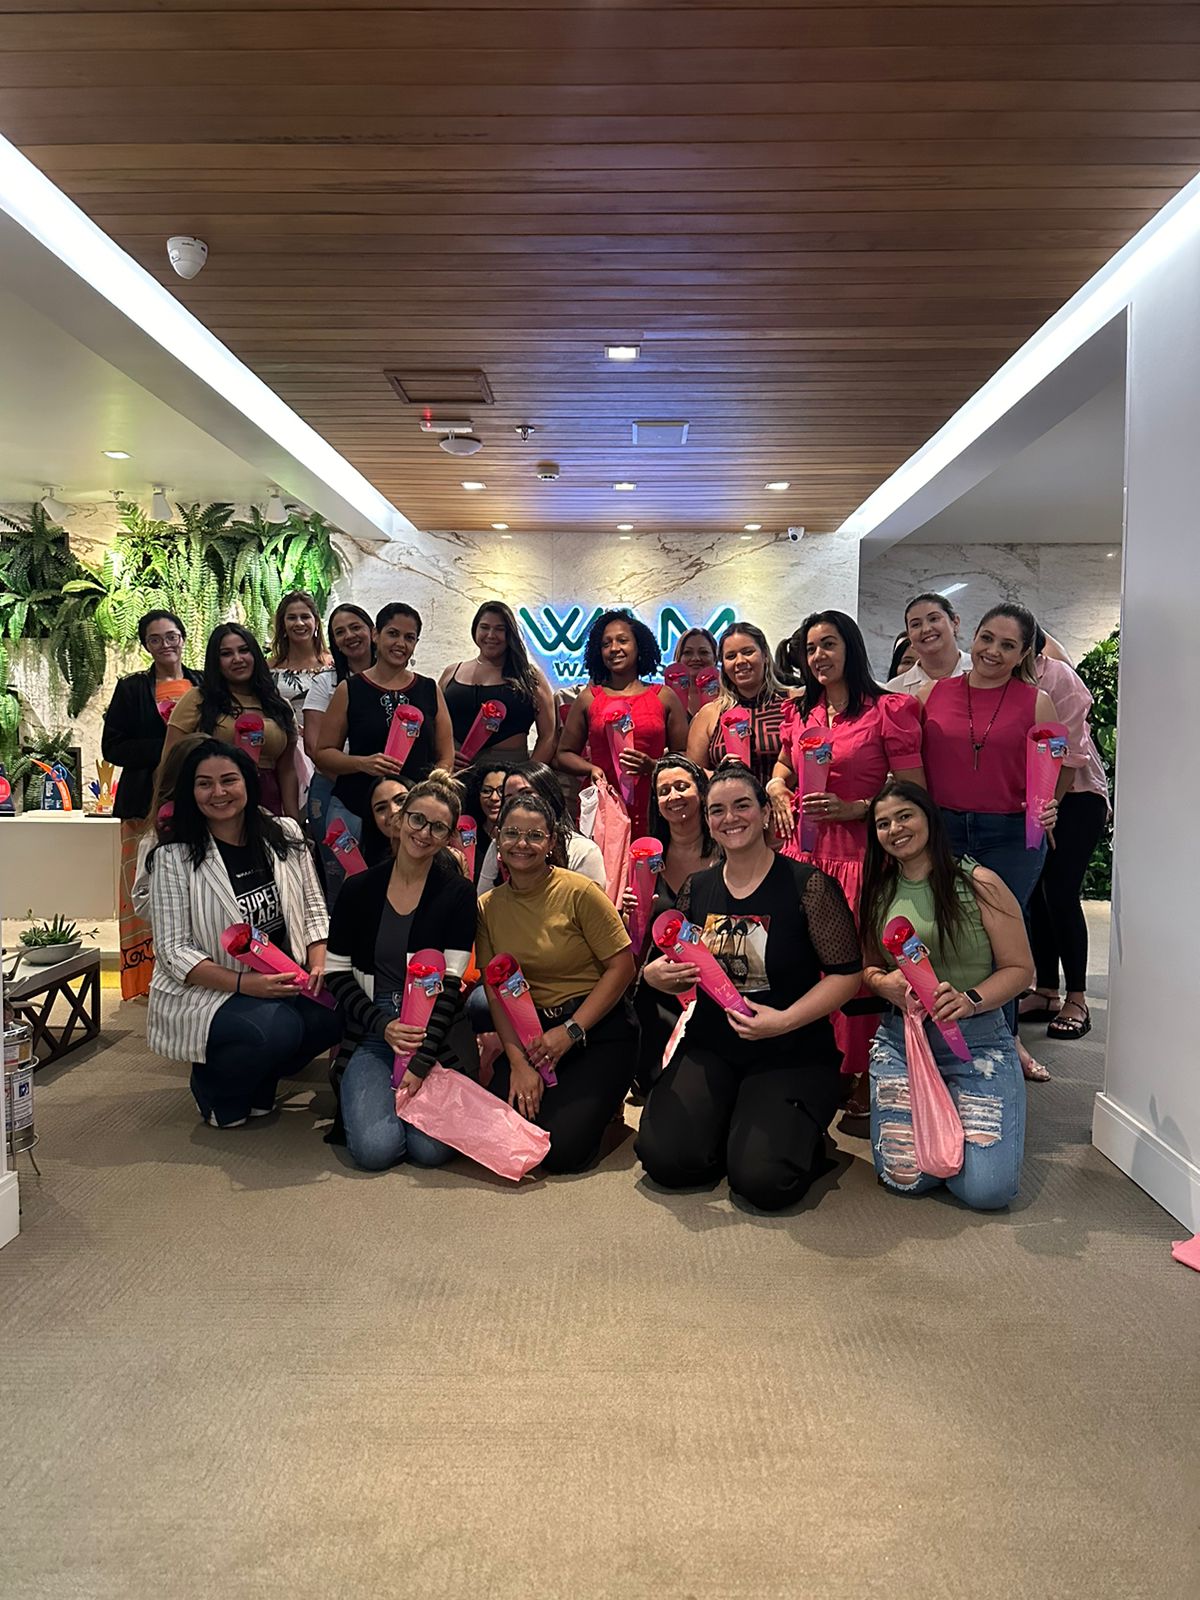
[795, 535]
[186, 255]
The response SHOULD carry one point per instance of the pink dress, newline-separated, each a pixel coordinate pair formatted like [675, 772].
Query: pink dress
[884, 737]
[649, 734]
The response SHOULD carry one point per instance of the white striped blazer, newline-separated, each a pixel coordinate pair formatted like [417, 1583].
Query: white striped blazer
[190, 908]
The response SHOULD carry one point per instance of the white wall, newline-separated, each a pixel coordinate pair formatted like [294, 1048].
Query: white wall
[1074, 590]
[1148, 1118]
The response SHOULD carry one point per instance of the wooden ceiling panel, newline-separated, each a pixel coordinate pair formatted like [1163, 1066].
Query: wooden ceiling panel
[825, 225]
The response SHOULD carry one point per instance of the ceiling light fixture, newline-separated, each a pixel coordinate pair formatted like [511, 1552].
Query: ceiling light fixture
[55, 509]
[117, 455]
[624, 527]
[779, 485]
[752, 527]
[276, 510]
[622, 352]
[473, 486]
[624, 486]
[160, 506]
[456, 444]
[500, 527]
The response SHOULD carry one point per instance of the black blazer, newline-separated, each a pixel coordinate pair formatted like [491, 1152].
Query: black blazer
[133, 739]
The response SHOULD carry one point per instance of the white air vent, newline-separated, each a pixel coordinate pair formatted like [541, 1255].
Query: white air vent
[660, 435]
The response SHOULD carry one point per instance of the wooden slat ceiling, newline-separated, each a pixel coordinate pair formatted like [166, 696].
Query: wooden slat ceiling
[825, 225]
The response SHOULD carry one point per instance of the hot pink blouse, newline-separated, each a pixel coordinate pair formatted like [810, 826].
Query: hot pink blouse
[1073, 700]
[997, 784]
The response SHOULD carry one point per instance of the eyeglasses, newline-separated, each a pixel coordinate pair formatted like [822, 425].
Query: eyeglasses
[418, 822]
[492, 794]
[535, 836]
[154, 639]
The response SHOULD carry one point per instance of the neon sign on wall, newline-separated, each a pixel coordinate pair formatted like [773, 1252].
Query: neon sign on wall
[557, 637]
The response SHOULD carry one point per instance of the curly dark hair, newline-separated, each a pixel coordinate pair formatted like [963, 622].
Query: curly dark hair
[649, 656]
[473, 778]
[189, 827]
[531, 800]
[216, 700]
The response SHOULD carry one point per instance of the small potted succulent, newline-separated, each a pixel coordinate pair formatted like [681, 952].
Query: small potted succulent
[43, 943]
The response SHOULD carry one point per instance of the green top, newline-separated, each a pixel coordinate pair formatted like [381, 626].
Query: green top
[966, 963]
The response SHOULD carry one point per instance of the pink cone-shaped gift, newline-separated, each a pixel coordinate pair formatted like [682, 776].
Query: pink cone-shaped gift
[645, 864]
[679, 678]
[248, 734]
[815, 754]
[679, 940]
[487, 721]
[468, 838]
[707, 683]
[618, 722]
[463, 1114]
[344, 846]
[912, 957]
[735, 725]
[402, 734]
[169, 694]
[164, 821]
[253, 949]
[426, 970]
[1045, 748]
[507, 982]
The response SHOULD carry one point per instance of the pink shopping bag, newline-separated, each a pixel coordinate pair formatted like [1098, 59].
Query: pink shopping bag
[937, 1132]
[461, 1113]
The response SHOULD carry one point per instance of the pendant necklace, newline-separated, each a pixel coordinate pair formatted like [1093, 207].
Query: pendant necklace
[978, 744]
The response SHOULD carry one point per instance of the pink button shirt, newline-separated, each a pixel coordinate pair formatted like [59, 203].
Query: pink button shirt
[1073, 700]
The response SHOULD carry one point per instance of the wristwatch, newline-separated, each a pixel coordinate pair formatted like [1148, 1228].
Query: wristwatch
[976, 999]
[575, 1032]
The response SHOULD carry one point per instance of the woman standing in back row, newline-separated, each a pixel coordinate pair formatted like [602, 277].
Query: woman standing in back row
[748, 679]
[501, 671]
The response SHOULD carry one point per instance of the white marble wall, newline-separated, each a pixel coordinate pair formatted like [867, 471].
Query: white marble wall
[447, 576]
[1074, 590]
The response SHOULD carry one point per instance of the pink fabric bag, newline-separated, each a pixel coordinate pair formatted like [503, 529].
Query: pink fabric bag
[937, 1132]
[461, 1113]
[612, 832]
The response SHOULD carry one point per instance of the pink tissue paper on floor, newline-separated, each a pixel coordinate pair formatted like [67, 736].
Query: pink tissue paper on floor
[1187, 1252]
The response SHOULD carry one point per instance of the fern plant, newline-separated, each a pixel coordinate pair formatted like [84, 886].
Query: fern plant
[1099, 669]
[37, 569]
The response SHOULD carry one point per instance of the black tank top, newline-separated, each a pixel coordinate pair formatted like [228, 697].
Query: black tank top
[369, 711]
[463, 701]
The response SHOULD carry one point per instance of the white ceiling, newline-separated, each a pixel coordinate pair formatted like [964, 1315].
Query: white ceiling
[1065, 488]
[61, 406]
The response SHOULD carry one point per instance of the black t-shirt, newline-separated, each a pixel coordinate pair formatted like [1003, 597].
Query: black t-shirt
[257, 892]
[391, 951]
[369, 712]
[775, 945]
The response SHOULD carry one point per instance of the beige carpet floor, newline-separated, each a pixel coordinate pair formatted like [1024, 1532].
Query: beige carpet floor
[233, 1366]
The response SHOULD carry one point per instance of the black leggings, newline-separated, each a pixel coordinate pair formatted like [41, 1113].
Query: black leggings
[763, 1127]
[657, 1015]
[592, 1085]
[1057, 925]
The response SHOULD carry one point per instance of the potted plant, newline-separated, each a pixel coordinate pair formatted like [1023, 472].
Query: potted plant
[43, 943]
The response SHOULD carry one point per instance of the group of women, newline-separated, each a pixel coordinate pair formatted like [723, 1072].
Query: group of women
[788, 881]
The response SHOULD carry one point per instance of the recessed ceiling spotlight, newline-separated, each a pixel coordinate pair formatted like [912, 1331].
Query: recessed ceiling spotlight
[752, 527]
[624, 485]
[472, 485]
[500, 527]
[622, 352]
[624, 527]
[779, 485]
[117, 455]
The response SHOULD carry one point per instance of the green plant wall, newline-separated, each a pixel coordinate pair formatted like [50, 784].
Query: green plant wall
[1099, 669]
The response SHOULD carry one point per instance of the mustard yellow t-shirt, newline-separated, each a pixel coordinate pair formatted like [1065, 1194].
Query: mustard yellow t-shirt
[560, 934]
[186, 716]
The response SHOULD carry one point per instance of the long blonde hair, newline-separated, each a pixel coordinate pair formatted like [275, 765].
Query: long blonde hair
[772, 683]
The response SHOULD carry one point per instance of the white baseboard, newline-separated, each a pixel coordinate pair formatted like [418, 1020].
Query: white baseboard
[1163, 1173]
[10, 1208]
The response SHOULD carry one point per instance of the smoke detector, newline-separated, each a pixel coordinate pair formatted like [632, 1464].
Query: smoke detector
[523, 430]
[458, 440]
[547, 471]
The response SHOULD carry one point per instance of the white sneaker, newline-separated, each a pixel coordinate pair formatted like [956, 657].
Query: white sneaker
[261, 1111]
[213, 1123]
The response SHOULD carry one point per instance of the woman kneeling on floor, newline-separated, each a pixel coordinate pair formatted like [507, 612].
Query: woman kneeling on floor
[575, 954]
[420, 900]
[752, 1097]
[972, 926]
[232, 862]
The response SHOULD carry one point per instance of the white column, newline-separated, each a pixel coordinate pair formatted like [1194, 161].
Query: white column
[10, 1206]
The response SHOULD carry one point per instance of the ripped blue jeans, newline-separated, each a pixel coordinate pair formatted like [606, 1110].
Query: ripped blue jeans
[989, 1092]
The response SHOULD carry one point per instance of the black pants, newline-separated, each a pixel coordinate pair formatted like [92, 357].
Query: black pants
[1057, 925]
[592, 1084]
[762, 1127]
[657, 1015]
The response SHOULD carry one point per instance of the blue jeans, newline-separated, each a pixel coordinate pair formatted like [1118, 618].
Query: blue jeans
[989, 1092]
[251, 1045]
[375, 1135]
[996, 839]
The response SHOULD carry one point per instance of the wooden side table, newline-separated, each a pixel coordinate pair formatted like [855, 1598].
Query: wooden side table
[32, 992]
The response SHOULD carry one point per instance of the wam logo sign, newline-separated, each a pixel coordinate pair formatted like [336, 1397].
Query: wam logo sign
[559, 638]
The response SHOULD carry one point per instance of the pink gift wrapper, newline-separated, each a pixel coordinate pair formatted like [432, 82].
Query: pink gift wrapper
[678, 678]
[468, 838]
[815, 753]
[912, 957]
[248, 734]
[1045, 748]
[254, 950]
[344, 846]
[507, 982]
[735, 725]
[707, 683]
[422, 985]
[487, 721]
[679, 940]
[468, 1117]
[402, 734]
[645, 864]
[619, 727]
